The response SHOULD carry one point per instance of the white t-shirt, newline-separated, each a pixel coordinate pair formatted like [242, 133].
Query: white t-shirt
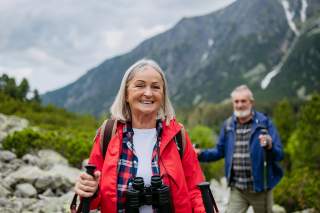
[143, 142]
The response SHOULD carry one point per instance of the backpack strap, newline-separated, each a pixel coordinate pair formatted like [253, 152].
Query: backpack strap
[109, 127]
[180, 140]
[107, 131]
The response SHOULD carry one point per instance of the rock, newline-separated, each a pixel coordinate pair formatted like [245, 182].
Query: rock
[10, 124]
[49, 158]
[31, 160]
[7, 168]
[16, 204]
[25, 190]
[43, 183]
[48, 193]
[7, 156]
[69, 173]
[54, 204]
[11, 205]
[28, 174]
[3, 191]
[278, 209]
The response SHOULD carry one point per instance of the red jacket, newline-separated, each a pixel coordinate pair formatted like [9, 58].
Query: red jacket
[182, 176]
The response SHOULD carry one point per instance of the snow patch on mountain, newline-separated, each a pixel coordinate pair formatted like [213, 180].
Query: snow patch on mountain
[210, 42]
[204, 57]
[290, 16]
[303, 11]
[267, 79]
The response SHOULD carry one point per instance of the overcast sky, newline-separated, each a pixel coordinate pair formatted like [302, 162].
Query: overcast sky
[54, 42]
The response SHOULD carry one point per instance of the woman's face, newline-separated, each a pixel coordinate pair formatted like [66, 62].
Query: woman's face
[145, 92]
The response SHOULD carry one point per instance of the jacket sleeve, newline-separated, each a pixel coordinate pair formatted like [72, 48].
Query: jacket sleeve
[97, 160]
[217, 152]
[193, 176]
[276, 150]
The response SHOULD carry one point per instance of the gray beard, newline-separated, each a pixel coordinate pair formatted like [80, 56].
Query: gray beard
[242, 113]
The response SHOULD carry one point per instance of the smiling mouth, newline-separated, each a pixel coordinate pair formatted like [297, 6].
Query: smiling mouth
[146, 102]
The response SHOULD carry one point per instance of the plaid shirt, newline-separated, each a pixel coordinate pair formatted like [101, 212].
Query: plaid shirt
[128, 165]
[241, 165]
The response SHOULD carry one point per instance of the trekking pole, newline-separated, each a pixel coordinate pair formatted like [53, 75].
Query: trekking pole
[207, 197]
[264, 131]
[86, 200]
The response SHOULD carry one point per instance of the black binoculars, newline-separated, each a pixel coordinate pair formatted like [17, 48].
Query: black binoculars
[157, 194]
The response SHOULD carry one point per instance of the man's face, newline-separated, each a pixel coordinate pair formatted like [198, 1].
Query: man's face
[242, 104]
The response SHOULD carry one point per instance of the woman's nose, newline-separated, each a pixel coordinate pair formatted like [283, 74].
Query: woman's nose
[147, 91]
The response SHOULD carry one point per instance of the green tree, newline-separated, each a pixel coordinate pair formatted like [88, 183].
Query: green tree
[36, 97]
[23, 89]
[10, 87]
[285, 120]
[304, 144]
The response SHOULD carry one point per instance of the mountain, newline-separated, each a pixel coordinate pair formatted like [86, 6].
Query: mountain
[273, 46]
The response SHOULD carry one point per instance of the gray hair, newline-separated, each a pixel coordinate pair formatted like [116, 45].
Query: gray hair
[120, 109]
[242, 88]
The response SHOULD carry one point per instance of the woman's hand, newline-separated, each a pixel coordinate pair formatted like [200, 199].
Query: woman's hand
[86, 185]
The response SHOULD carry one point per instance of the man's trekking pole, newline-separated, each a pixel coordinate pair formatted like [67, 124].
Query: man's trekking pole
[207, 197]
[86, 201]
[264, 131]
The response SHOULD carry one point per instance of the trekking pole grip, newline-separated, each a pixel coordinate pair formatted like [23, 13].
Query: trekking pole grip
[90, 168]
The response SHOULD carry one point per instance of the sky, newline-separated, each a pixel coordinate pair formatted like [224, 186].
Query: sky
[54, 42]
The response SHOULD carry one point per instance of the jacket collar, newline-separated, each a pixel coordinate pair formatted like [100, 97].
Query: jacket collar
[169, 131]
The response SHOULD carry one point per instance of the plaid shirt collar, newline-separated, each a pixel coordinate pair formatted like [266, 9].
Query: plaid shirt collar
[128, 163]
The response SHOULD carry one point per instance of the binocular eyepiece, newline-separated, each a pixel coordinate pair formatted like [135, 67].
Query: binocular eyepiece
[157, 194]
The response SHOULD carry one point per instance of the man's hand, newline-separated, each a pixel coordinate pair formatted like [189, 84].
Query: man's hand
[86, 185]
[265, 141]
[198, 151]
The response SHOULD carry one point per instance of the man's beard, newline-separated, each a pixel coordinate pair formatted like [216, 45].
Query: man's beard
[242, 113]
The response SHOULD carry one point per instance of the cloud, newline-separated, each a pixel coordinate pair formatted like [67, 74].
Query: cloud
[19, 73]
[63, 39]
[113, 39]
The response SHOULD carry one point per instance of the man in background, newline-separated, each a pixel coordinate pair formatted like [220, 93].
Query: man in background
[251, 148]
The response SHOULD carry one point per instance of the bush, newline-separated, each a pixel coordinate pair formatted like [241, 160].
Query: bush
[75, 146]
[299, 190]
[303, 145]
[204, 137]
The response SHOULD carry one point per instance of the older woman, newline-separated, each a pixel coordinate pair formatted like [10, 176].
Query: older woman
[143, 146]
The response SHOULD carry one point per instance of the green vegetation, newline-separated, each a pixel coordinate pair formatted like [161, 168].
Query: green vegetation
[205, 138]
[299, 188]
[51, 127]
[70, 144]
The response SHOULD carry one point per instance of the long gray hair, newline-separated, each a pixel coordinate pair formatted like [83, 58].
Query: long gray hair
[120, 109]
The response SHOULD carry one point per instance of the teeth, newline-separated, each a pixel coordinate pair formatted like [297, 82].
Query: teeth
[147, 102]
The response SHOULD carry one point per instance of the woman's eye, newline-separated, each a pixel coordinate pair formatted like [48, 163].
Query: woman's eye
[156, 87]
